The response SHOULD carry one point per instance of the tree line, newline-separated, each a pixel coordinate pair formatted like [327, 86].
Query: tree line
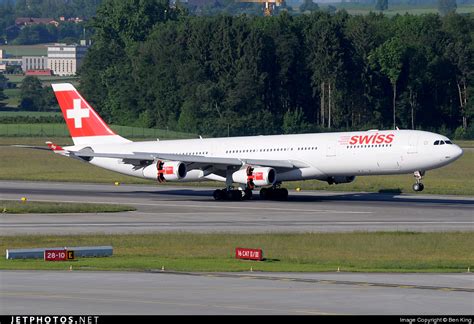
[153, 65]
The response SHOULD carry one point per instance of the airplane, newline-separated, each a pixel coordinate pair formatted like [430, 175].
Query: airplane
[252, 161]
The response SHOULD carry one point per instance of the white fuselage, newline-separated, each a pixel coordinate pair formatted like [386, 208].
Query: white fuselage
[324, 155]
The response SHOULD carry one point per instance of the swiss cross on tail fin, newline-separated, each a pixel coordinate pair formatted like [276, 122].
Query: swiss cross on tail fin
[77, 113]
[81, 119]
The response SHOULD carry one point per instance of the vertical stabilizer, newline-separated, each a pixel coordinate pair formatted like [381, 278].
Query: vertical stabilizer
[84, 124]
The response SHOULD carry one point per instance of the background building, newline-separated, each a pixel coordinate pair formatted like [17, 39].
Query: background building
[29, 21]
[65, 59]
[34, 63]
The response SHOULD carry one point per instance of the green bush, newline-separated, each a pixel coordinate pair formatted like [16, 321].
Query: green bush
[460, 133]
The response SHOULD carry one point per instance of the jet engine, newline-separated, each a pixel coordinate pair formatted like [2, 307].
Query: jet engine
[255, 176]
[165, 171]
[340, 179]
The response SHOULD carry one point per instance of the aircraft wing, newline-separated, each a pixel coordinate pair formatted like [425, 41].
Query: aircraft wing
[195, 160]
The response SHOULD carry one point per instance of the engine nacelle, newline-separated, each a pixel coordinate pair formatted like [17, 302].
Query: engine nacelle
[165, 171]
[340, 179]
[255, 176]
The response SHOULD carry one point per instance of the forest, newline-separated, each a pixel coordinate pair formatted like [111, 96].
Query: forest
[155, 66]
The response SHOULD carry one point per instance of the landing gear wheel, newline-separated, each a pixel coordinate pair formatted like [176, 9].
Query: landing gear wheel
[282, 194]
[418, 187]
[247, 194]
[231, 194]
[273, 194]
[234, 195]
[219, 194]
[264, 194]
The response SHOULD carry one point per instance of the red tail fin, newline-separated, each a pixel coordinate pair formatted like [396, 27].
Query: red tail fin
[81, 119]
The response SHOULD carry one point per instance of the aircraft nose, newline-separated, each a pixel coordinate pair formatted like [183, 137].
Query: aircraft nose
[451, 153]
[458, 152]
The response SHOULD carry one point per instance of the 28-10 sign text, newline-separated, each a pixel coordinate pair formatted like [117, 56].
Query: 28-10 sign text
[58, 255]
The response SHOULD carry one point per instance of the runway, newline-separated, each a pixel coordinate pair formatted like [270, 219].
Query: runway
[71, 292]
[168, 208]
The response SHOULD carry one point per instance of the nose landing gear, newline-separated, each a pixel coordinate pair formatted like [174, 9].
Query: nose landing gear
[418, 186]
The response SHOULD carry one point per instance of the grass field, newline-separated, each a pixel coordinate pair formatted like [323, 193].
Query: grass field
[60, 130]
[29, 114]
[25, 50]
[28, 207]
[25, 164]
[13, 98]
[368, 252]
[18, 78]
[46, 80]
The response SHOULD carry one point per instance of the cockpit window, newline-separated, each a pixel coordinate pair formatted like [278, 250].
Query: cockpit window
[441, 142]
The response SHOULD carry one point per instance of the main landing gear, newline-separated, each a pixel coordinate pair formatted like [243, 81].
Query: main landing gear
[418, 185]
[229, 193]
[232, 194]
[272, 193]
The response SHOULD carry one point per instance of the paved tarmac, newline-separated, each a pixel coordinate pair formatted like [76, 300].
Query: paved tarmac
[167, 208]
[83, 292]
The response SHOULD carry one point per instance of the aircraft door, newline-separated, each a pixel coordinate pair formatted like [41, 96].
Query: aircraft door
[413, 145]
[331, 150]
